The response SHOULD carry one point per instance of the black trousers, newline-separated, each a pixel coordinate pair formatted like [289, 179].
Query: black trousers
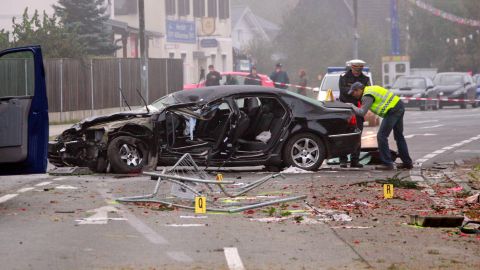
[354, 156]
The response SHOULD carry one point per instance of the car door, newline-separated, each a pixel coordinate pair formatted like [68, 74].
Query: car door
[23, 111]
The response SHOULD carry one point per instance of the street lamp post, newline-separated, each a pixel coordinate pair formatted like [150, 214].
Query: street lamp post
[356, 36]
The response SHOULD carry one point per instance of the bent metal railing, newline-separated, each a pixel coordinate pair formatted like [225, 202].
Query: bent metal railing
[179, 185]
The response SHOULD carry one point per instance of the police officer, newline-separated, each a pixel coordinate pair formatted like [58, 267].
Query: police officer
[354, 74]
[387, 105]
[280, 77]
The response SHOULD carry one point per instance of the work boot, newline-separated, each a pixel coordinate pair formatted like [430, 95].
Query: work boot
[405, 166]
[356, 165]
[343, 164]
[386, 167]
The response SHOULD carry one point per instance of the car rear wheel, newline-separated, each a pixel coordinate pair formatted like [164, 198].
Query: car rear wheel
[127, 154]
[305, 151]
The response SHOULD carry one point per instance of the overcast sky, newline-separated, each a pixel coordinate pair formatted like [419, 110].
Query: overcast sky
[16, 7]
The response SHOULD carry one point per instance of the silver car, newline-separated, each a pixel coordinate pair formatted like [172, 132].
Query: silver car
[411, 87]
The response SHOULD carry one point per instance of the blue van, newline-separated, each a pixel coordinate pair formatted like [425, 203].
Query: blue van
[23, 111]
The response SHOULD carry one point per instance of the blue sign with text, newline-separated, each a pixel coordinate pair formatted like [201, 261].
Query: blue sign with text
[181, 31]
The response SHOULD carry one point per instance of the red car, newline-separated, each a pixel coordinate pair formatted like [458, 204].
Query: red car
[237, 77]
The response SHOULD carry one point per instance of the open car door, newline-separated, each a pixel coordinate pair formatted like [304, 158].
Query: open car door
[23, 111]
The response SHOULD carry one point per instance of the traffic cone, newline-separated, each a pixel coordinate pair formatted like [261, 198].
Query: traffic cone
[329, 96]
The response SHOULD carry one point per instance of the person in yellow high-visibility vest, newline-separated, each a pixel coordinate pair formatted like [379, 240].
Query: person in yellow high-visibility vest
[387, 105]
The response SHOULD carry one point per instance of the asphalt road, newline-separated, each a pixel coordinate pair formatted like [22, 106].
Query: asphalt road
[41, 217]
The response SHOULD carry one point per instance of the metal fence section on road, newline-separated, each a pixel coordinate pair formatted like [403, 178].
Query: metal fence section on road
[75, 85]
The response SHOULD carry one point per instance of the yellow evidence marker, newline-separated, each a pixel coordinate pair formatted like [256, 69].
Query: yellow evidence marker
[219, 177]
[200, 205]
[329, 96]
[388, 191]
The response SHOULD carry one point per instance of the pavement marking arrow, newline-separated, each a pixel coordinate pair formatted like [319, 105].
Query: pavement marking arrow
[100, 216]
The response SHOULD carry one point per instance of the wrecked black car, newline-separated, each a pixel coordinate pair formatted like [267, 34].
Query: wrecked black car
[218, 126]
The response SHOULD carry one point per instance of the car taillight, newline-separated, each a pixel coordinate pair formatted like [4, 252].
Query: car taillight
[353, 121]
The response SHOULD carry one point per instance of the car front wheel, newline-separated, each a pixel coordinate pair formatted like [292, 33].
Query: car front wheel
[305, 151]
[127, 154]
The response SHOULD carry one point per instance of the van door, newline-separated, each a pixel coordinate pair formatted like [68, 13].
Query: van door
[23, 111]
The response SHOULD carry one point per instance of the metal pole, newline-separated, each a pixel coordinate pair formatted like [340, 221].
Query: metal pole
[120, 83]
[143, 52]
[355, 29]
[166, 76]
[395, 32]
[61, 90]
[91, 86]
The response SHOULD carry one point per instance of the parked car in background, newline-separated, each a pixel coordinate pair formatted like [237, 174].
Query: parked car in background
[218, 126]
[232, 78]
[456, 85]
[417, 87]
[330, 81]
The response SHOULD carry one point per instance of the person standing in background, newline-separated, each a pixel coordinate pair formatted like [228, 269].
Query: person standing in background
[253, 78]
[213, 77]
[280, 77]
[302, 82]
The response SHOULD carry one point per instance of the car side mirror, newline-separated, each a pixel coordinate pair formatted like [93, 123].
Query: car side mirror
[429, 87]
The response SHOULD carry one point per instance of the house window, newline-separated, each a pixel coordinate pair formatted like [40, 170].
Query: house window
[212, 8]
[125, 7]
[183, 7]
[169, 7]
[198, 8]
[171, 55]
[224, 9]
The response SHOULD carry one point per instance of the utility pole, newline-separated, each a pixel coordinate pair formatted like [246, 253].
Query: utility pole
[143, 52]
[395, 32]
[355, 29]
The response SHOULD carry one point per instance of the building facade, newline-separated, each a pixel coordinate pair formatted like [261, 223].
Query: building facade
[196, 31]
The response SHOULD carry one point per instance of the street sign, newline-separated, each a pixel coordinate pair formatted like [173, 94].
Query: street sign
[181, 31]
[209, 43]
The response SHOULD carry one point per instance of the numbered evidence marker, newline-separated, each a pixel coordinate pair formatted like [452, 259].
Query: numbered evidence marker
[388, 191]
[200, 205]
[219, 177]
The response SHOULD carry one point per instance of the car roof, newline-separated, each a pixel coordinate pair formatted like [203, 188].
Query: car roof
[452, 73]
[414, 77]
[208, 94]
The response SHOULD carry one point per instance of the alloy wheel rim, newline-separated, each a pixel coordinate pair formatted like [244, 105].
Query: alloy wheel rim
[305, 153]
[129, 155]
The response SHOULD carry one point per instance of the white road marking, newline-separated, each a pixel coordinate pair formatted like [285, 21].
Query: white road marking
[413, 135]
[432, 126]
[22, 190]
[424, 122]
[186, 225]
[233, 258]
[43, 184]
[100, 216]
[7, 197]
[369, 136]
[65, 187]
[137, 224]
[429, 156]
[59, 178]
[448, 147]
[439, 152]
[193, 216]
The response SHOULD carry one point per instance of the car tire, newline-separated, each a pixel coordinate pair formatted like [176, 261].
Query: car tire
[463, 105]
[305, 151]
[422, 108]
[127, 154]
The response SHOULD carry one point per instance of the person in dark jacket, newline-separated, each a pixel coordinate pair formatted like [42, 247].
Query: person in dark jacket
[213, 77]
[302, 82]
[354, 74]
[280, 77]
[253, 78]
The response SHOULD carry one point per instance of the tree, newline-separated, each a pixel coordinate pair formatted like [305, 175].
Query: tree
[87, 19]
[45, 31]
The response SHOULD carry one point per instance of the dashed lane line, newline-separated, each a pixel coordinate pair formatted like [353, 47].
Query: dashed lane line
[43, 184]
[429, 127]
[233, 258]
[22, 190]
[7, 197]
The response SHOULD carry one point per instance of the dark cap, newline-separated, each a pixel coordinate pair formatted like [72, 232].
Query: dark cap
[355, 86]
[278, 65]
